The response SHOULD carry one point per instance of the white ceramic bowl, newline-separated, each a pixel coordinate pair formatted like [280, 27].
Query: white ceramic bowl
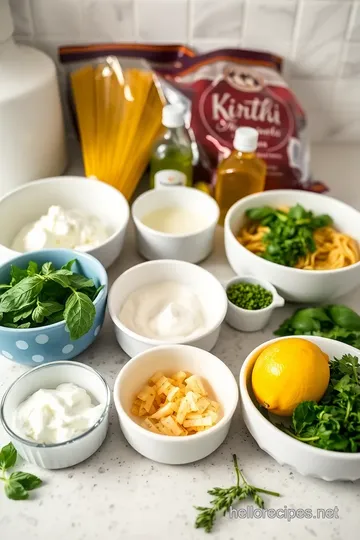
[305, 459]
[169, 359]
[69, 453]
[190, 247]
[294, 284]
[30, 201]
[247, 320]
[209, 290]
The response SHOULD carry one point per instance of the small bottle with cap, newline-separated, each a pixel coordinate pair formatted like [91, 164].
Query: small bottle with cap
[171, 159]
[241, 173]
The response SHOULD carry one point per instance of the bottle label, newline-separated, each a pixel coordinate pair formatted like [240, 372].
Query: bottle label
[168, 178]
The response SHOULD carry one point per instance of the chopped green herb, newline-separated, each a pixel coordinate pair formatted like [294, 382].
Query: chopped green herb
[290, 235]
[249, 296]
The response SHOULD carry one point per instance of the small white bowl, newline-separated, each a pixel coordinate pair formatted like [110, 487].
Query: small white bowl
[29, 202]
[68, 453]
[305, 459]
[210, 291]
[294, 284]
[190, 247]
[248, 320]
[169, 359]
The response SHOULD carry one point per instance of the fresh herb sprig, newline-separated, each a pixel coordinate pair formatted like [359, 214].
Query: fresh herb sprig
[334, 422]
[333, 321]
[291, 234]
[38, 297]
[224, 498]
[18, 484]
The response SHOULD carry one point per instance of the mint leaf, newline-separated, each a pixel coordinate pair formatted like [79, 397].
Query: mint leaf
[80, 282]
[32, 268]
[8, 456]
[17, 274]
[79, 314]
[61, 279]
[98, 290]
[24, 325]
[23, 314]
[56, 317]
[44, 309]
[15, 491]
[47, 268]
[22, 294]
[27, 480]
[69, 265]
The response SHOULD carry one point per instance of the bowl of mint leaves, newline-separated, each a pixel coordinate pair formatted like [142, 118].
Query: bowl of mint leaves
[52, 305]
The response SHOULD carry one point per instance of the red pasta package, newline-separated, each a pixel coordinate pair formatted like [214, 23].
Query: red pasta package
[229, 88]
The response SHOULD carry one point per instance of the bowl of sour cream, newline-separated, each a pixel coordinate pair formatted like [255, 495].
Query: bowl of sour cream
[175, 223]
[69, 212]
[57, 414]
[166, 301]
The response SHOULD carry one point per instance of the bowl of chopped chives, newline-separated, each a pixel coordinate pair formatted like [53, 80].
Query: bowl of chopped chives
[251, 302]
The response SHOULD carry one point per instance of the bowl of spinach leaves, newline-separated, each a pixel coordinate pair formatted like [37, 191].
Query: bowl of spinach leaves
[320, 439]
[52, 305]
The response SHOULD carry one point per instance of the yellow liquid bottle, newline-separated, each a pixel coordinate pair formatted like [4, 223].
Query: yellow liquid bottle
[241, 173]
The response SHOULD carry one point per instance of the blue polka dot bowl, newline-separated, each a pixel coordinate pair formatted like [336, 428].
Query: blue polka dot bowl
[34, 346]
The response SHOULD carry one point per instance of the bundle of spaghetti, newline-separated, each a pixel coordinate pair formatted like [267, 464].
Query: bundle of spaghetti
[119, 117]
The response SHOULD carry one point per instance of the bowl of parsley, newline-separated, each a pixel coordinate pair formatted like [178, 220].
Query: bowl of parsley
[321, 438]
[52, 305]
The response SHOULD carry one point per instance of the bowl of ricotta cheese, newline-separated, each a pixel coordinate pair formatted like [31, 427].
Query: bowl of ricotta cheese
[57, 414]
[166, 301]
[68, 212]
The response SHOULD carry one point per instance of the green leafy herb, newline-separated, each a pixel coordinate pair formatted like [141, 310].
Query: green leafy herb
[79, 314]
[18, 484]
[290, 235]
[333, 321]
[334, 422]
[249, 296]
[37, 298]
[224, 498]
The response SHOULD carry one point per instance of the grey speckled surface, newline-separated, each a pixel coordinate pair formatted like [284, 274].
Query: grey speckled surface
[118, 494]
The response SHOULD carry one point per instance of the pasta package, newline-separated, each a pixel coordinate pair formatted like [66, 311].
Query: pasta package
[117, 107]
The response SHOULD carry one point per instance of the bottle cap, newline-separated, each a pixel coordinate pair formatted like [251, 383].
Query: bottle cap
[246, 139]
[173, 116]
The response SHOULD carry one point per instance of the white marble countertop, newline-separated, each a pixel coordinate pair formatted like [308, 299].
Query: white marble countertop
[118, 494]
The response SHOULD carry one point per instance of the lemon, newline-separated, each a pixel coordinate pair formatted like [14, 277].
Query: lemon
[288, 372]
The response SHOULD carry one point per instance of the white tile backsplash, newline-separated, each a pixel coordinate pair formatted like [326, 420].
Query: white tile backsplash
[269, 20]
[319, 39]
[214, 19]
[161, 21]
[108, 20]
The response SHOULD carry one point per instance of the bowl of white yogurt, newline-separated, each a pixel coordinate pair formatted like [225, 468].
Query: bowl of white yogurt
[57, 414]
[69, 212]
[175, 223]
[166, 301]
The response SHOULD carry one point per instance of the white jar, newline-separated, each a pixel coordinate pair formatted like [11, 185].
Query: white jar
[32, 138]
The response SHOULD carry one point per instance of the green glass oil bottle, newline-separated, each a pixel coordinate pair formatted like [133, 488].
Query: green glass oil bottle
[171, 160]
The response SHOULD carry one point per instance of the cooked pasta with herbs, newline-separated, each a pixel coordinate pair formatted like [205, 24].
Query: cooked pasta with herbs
[296, 237]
